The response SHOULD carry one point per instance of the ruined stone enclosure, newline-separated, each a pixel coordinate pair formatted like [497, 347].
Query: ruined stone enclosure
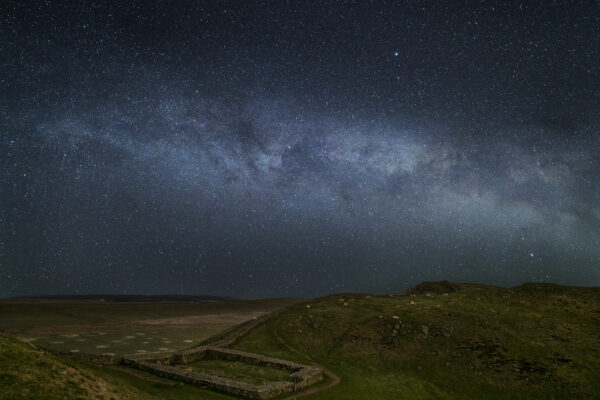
[298, 376]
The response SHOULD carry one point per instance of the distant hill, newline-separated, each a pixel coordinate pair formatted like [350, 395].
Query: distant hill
[434, 287]
[127, 297]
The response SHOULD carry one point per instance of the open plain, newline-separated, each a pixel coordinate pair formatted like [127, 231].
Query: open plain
[125, 328]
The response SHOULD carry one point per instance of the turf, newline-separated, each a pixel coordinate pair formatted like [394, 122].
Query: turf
[150, 387]
[239, 371]
[29, 373]
[536, 341]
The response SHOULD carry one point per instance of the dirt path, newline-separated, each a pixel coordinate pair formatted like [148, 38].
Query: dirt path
[232, 336]
[335, 380]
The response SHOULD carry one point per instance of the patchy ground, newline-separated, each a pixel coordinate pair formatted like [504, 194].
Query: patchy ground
[125, 328]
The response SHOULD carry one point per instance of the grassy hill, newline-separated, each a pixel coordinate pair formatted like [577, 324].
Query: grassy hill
[436, 341]
[29, 373]
[446, 341]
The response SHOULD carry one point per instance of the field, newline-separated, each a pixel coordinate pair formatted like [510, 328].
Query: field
[440, 341]
[239, 371]
[27, 373]
[125, 328]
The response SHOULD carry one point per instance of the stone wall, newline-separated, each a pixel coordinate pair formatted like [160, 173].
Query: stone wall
[237, 388]
[301, 375]
[218, 353]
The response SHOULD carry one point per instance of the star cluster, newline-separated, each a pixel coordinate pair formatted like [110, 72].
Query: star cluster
[278, 149]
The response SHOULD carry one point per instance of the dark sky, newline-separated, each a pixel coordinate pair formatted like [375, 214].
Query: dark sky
[297, 147]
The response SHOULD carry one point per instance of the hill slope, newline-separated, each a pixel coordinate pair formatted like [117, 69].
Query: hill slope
[482, 342]
[29, 373]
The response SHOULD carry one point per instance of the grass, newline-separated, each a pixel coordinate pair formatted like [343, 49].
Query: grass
[94, 327]
[128, 328]
[28, 373]
[239, 371]
[536, 341]
[150, 387]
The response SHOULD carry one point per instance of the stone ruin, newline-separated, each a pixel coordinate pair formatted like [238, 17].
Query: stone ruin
[300, 376]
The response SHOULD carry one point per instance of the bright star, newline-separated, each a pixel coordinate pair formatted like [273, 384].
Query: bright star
[396, 54]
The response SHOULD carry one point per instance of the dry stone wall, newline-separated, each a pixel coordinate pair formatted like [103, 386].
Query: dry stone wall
[301, 375]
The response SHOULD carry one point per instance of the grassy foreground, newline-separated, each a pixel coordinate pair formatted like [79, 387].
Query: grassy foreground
[442, 341]
[29, 373]
[447, 341]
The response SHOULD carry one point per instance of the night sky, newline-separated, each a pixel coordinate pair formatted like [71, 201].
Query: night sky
[297, 148]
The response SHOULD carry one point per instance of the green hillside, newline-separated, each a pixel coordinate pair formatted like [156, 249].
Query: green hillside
[446, 341]
[29, 373]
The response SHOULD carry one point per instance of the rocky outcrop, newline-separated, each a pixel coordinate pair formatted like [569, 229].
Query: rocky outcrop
[441, 287]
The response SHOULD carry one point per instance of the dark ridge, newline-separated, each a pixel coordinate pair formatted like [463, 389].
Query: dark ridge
[440, 287]
[541, 285]
[127, 297]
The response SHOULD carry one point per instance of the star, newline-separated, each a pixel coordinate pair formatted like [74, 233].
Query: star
[284, 157]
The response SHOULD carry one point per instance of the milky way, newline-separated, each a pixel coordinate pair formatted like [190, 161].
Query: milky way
[384, 156]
